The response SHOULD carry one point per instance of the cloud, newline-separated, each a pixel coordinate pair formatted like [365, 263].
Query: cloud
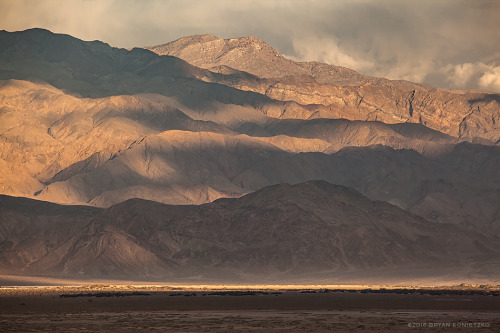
[491, 79]
[408, 40]
[431, 41]
[478, 75]
[460, 75]
[328, 50]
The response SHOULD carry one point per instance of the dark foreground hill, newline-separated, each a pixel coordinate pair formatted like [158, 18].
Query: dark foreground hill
[312, 230]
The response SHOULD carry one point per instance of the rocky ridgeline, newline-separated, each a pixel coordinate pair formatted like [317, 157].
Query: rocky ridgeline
[339, 92]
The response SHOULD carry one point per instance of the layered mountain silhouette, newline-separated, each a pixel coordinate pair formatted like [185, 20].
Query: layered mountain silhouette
[280, 232]
[86, 124]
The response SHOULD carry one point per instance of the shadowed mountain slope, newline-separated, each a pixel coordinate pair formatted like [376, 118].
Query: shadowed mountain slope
[311, 230]
[103, 151]
[459, 186]
[49, 136]
[94, 69]
[338, 92]
[85, 123]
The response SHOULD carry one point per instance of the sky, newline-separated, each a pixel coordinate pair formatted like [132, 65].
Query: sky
[446, 43]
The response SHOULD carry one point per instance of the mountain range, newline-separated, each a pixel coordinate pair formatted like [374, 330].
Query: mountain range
[282, 232]
[203, 118]
[337, 92]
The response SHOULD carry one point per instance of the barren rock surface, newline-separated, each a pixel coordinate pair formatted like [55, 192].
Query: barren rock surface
[252, 55]
[309, 230]
[87, 124]
[338, 92]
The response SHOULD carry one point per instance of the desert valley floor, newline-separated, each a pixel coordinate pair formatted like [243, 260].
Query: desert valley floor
[197, 308]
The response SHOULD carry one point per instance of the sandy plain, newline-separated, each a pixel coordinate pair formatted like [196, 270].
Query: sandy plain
[258, 308]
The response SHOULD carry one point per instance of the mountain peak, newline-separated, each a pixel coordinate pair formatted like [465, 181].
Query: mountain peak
[248, 40]
[37, 30]
[250, 54]
[202, 39]
[312, 195]
[253, 55]
[196, 38]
